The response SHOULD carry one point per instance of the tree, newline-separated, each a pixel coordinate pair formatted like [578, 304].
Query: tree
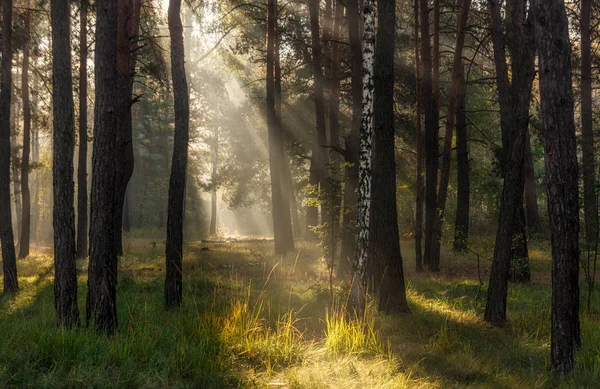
[351, 141]
[9, 262]
[127, 34]
[457, 79]
[533, 214]
[461, 226]
[174, 244]
[65, 271]
[317, 164]
[282, 224]
[82, 194]
[587, 131]
[358, 289]
[101, 299]
[25, 194]
[560, 151]
[419, 150]
[514, 99]
[385, 259]
[431, 129]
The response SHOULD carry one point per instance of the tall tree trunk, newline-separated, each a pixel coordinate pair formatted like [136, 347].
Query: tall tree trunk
[384, 239]
[419, 150]
[63, 221]
[461, 227]
[9, 262]
[82, 190]
[282, 224]
[431, 130]
[533, 214]
[101, 303]
[213, 193]
[457, 78]
[358, 288]
[334, 128]
[26, 213]
[351, 141]
[561, 178]
[174, 246]
[318, 156]
[590, 207]
[128, 30]
[514, 119]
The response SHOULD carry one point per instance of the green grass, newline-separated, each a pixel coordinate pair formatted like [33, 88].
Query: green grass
[250, 319]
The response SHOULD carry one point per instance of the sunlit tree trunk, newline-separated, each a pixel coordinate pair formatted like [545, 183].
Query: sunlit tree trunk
[101, 303]
[351, 141]
[82, 190]
[358, 289]
[26, 212]
[174, 244]
[63, 220]
[457, 78]
[213, 193]
[9, 263]
[561, 178]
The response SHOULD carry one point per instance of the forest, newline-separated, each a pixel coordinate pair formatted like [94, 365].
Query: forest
[300, 194]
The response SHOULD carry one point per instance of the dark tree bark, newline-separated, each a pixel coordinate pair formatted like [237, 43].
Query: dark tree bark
[82, 191]
[351, 141]
[561, 177]
[101, 303]
[9, 262]
[587, 132]
[385, 259]
[63, 221]
[533, 214]
[457, 79]
[282, 224]
[356, 299]
[128, 30]
[318, 155]
[419, 150]
[174, 245]
[26, 213]
[461, 227]
[431, 130]
[514, 97]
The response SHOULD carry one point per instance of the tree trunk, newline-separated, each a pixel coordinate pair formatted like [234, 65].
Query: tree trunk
[174, 245]
[63, 215]
[590, 207]
[457, 78]
[514, 119]
[431, 130]
[351, 141]
[561, 178]
[533, 214]
[26, 213]
[461, 227]
[101, 303]
[318, 156]
[128, 30]
[419, 150]
[385, 259]
[520, 269]
[358, 289]
[9, 263]
[82, 194]
[213, 193]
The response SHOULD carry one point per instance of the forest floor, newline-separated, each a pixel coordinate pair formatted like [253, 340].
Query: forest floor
[252, 320]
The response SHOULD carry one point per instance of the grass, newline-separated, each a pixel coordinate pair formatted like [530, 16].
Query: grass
[250, 320]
